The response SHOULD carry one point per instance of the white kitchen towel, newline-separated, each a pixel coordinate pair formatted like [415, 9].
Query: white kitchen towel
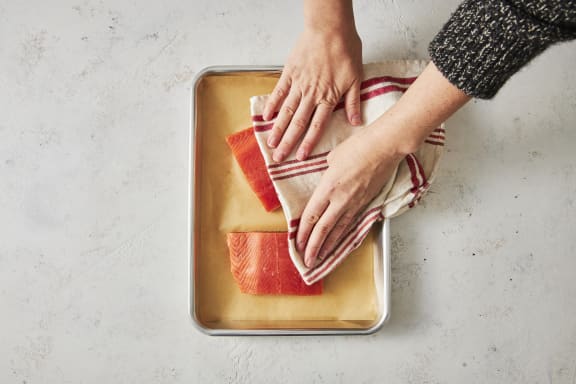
[295, 180]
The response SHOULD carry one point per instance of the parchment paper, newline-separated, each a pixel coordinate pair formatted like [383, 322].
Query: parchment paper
[225, 203]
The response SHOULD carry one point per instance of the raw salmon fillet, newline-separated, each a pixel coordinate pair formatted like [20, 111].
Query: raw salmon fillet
[261, 265]
[247, 153]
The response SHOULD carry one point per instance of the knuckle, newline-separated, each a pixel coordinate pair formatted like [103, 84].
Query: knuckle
[307, 89]
[335, 188]
[353, 101]
[314, 248]
[280, 92]
[330, 98]
[277, 129]
[328, 101]
[311, 219]
[323, 229]
[289, 110]
[299, 123]
[316, 125]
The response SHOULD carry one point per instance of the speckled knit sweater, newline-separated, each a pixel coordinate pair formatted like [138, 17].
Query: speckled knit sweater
[486, 42]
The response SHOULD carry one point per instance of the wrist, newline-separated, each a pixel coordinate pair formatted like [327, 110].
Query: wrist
[391, 140]
[331, 29]
[405, 143]
[376, 148]
[329, 17]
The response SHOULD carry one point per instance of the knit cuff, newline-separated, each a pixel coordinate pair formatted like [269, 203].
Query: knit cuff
[486, 42]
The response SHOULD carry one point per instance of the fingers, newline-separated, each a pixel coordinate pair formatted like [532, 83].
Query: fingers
[295, 109]
[352, 104]
[316, 223]
[285, 115]
[319, 120]
[340, 230]
[295, 130]
[277, 96]
[320, 232]
[310, 216]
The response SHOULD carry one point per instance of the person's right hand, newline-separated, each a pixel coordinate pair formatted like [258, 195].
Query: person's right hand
[361, 165]
[323, 67]
[349, 184]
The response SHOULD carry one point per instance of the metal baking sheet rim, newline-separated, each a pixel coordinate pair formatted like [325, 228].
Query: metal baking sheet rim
[382, 261]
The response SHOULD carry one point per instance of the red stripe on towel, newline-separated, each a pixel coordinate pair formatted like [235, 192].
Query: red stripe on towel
[263, 128]
[260, 118]
[276, 165]
[381, 91]
[413, 173]
[300, 173]
[284, 170]
[434, 142]
[416, 170]
[386, 79]
[421, 170]
[375, 92]
[294, 222]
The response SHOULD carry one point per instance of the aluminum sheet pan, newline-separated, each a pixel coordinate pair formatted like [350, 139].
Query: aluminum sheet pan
[356, 298]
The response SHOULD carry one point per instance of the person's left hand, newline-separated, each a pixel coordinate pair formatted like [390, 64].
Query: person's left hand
[324, 66]
[358, 169]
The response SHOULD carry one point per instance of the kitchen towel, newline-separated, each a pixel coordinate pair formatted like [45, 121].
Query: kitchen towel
[295, 180]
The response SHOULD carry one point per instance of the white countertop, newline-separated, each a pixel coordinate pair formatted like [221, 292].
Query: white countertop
[93, 186]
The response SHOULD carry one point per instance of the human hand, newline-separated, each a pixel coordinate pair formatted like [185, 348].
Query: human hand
[323, 67]
[360, 166]
[349, 184]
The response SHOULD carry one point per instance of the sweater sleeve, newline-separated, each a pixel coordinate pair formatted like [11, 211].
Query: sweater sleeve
[485, 42]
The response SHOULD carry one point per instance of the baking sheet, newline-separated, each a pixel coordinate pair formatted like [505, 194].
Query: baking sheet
[223, 202]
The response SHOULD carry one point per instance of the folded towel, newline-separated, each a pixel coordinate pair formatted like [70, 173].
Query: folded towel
[295, 180]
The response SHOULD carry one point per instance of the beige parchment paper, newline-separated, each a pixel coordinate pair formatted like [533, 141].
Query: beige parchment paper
[225, 203]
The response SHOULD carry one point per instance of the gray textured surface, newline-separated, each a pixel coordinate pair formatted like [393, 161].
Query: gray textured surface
[93, 169]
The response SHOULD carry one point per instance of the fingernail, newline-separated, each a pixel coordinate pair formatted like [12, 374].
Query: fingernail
[277, 156]
[301, 155]
[271, 142]
[308, 262]
[356, 120]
